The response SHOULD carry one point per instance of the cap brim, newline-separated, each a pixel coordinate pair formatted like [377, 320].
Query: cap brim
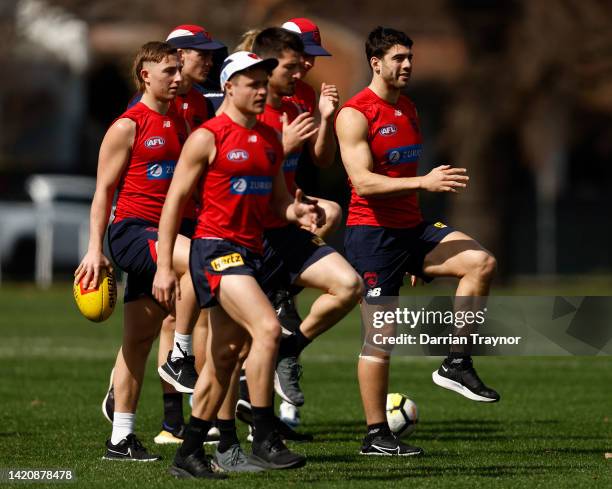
[316, 50]
[187, 43]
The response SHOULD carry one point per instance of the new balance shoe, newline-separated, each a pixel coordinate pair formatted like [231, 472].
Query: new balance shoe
[459, 375]
[180, 373]
[244, 412]
[388, 445]
[271, 453]
[196, 465]
[108, 403]
[234, 460]
[129, 449]
[287, 380]
[169, 435]
[289, 434]
[287, 314]
[213, 436]
[289, 414]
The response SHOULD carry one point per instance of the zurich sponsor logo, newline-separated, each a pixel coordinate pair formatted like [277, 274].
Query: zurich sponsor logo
[250, 185]
[404, 154]
[237, 155]
[388, 130]
[155, 142]
[160, 170]
[291, 162]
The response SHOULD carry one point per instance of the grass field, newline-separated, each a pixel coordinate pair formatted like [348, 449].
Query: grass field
[551, 428]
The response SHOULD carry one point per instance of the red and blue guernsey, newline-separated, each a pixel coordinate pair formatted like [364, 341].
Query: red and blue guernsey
[273, 117]
[304, 97]
[156, 149]
[237, 186]
[396, 145]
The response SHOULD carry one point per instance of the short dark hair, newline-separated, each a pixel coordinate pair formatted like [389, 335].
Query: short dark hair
[271, 42]
[155, 52]
[381, 39]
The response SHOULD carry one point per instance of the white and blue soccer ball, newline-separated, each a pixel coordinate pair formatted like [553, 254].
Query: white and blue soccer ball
[402, 414]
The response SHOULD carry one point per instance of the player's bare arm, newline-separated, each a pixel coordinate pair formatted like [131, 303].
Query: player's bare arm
[352, 130]
[198, 151]
[112, 160]
[322, 145]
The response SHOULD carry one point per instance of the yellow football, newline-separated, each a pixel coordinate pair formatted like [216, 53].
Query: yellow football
[97, 304]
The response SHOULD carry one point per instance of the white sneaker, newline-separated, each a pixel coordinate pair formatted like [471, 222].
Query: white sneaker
[289, 414]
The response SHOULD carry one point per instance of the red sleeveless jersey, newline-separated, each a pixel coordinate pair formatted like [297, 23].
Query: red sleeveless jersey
[304, 97]
[192, 107]
[273, 117]
[395, 142]
[145, 182]
[237, 186]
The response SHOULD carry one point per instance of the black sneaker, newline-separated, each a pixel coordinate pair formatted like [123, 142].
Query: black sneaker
[108, 403]
[287, 313]
[129, 449]
[388, 445]
[458, 375]
[273, 454]
[180, 373]
[244, 412]
[194, 466]
[289, 434]
[287, 380]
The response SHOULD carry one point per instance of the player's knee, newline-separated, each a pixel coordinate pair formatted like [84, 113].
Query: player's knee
[268, 334]
[349, 288]
[244, 351]
[333, 215]
[484, 265]
[226, 356]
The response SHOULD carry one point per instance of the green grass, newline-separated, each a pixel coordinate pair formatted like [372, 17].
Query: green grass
[550, 430]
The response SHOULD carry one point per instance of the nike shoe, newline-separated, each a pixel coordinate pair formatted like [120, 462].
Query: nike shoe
[234, 460]
[289, 414]
[180, 373]
[286, 312]
[108, 403]
[213, 436]
[459, 375]
[272, 453]
[243, 412]
[289, 434]
[287, 381]
[129, 449]
[388, 445]
[169, 435]
[250, 435]
[195, 466]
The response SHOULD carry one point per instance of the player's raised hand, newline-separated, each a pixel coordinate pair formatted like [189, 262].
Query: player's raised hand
[166, 287]
[298, 131]
[308, 212]
[88, 271]
[445, 178]
[328, 100]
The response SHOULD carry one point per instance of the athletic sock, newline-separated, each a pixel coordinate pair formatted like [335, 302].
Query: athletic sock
[378, 429]
[263, 422]
[195, 434]
[301, 342]
[244, 387]
[123, 425]
[173, 410]
[292, 346]
[229, 437]
[182, 346]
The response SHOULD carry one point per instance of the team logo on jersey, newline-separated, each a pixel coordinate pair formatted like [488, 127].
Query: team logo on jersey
[370, 278]
[227, 261]
[404, 154]
[237, 155]
[155, 141]
[251, 185]
[160, 170]
[167, 124]
[252, 138]
[388, 130]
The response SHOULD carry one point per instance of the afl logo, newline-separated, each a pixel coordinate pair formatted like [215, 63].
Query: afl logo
[155, 170]
[387, 130]
[394, 156]
[155, 142]
[237, 155]
[239, 186]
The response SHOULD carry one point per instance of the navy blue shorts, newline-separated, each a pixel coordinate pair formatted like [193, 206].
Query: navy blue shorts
[383, 256]
[211, 259]
[132, 246]
[288, 251]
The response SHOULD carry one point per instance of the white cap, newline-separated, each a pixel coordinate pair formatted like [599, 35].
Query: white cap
[243, 60]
